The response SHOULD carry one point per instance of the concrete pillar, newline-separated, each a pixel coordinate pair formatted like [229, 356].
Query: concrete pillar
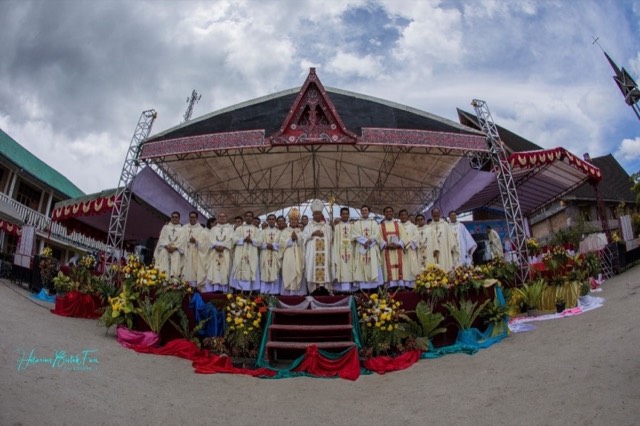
[49, 202]
[12, 185]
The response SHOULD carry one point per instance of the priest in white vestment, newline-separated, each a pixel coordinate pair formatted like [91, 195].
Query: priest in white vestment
[343, 258]
[218, 249]
[245, 273]
[422, 230]
[442, 247]
[466, 244]
[411, 266]
[292, 254]
[392, 244]
[204, 250]
[192, 270]
[365, 232]
[169, 252]
[495, 243]
[317, 250]
[270, 258]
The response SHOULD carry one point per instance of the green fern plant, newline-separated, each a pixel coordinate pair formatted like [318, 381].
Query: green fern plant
[183, 327]
[158, 312]
[531, 293]
[425, 328]
[465, 312]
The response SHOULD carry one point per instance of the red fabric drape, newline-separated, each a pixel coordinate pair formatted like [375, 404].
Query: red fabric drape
[77, 305]
[385, 364]
[10, 228]
[346, 367]
[181, 348]
[222, 364]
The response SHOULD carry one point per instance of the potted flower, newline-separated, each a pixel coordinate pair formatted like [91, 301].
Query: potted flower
[433, 281]
[464, 278]
[48, 267]
[243, 331]
[533, 247]
[379, 317]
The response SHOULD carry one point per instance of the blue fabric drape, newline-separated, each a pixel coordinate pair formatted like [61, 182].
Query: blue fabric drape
[472, 340]
[214, 327]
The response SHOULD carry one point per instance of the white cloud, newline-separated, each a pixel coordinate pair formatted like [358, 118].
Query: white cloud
[629, 149]
[72, 94]
[349, 64]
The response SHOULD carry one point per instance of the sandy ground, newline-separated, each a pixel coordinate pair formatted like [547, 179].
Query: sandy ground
[582, 370]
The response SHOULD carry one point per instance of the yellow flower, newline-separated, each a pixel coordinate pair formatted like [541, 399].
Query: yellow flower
[374, 296]
[390, 327]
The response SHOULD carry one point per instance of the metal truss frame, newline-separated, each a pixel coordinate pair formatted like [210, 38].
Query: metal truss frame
[507, 186]
[122, 200]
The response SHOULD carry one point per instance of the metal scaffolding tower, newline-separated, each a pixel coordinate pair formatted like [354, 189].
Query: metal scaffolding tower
[507, 187]
[118, 221]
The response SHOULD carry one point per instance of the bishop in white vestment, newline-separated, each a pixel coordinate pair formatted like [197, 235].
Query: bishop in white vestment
[317, 250]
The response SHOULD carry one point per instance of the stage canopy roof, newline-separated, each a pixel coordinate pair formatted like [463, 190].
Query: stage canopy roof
[152, 202]
[540, 176]
[293, 146]
[284, 149]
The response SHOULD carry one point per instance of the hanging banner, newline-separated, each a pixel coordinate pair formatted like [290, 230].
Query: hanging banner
[25, 247]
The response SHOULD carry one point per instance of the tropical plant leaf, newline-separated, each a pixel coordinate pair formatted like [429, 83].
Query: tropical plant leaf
[429, 321]
[466, 312]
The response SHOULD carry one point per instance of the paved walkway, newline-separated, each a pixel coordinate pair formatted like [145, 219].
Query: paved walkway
[582, 370]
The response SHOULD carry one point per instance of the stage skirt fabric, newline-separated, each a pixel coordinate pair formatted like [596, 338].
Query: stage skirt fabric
[77, 305]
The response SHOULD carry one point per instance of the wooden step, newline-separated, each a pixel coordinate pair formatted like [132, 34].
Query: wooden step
[324, 311]
[305, 345]
[310, 328]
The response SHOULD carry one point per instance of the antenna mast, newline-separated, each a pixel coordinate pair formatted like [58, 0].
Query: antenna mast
[191, 102]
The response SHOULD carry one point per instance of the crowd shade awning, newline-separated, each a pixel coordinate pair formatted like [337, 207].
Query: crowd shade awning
[10, 220]
[540, 177]
[152, 202]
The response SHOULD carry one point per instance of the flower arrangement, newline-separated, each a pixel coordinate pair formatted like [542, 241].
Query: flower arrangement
[48, 266]
[121, 308]
[244, 324]
[80, 277]
[615, 237]
[533, 247]
[88, 261]
[379, 316]
[465, 278]
[556, 261]
[46, 252]
[499, 269]
[467, 274]
[147, 292]
[433, 281]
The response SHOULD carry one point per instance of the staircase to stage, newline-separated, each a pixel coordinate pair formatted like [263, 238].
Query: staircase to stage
[294, 329]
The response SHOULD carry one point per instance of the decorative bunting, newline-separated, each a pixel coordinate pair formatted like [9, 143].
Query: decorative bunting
[533, 159]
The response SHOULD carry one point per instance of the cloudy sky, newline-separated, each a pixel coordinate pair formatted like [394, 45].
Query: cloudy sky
[75, 75]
